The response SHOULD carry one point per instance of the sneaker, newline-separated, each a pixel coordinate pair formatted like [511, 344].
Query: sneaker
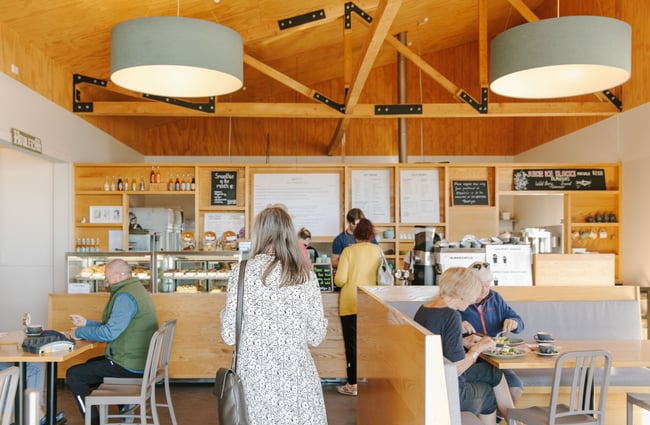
[347, 389]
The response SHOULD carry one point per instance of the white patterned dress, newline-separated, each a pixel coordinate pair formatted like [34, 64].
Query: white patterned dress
[281, 383]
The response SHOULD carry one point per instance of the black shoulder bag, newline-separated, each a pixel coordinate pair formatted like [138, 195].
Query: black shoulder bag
[227, 386]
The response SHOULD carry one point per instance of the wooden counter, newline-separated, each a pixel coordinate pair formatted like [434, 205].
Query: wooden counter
[198, 349]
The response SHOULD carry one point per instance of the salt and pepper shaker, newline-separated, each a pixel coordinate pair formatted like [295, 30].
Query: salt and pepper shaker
[27, 319]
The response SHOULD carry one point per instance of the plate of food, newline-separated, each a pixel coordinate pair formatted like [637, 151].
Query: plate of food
[505, 340]
[505, 353]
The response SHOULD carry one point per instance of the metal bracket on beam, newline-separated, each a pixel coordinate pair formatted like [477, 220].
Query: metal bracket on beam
[77, 105]
[329, 102]
[405, 109]
[351, 7]
[301, 19]
[207, 107]
[615, 100]
[480, 107]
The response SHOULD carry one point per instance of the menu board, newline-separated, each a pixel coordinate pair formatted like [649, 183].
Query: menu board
[510, 264]
[371, 194]
[559, 179]
[470, 192]
[323, 272]
[223, 188]
[419, 196]
[313, 199]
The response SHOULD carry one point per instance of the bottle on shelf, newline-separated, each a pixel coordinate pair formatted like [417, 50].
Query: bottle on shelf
[158, 174]
[141, 184]
[107, 186]
[152, 176]
[177, 184]
[134, 185]
[170, 184]
[193, 183]
[113, 184]
[185, 184]
[120, 184]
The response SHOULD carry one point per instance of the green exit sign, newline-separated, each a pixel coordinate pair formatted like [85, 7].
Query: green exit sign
[26, 141]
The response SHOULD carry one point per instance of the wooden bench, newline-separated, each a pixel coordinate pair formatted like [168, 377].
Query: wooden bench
[570, 313]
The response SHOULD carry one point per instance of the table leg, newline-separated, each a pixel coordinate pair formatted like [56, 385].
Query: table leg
[51, 393]
[19, 404]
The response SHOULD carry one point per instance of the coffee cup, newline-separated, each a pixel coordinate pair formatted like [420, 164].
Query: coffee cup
[546, 348]
[544, 336]
[34, 329]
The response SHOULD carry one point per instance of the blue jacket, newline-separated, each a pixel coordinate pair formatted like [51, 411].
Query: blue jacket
[488, 315]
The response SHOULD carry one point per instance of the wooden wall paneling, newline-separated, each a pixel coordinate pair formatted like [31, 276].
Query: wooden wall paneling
[198, 349]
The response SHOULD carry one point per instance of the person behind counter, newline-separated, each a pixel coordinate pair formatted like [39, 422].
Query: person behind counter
[304, 236]
[128, 322]
[489, 315]
[358, 266]
[346, 237]
[282, 315]
[482, 388]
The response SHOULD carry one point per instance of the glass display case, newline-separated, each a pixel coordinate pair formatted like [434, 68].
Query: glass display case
[85, 270]
[195, 271]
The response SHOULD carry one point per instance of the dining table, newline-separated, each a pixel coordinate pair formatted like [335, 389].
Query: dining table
[11, 351]
[625, 353]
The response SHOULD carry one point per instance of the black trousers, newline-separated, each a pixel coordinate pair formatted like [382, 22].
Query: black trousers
[84, 377]
[349, 328]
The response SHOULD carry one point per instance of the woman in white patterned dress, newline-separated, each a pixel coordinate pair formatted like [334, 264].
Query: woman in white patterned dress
[282, 315]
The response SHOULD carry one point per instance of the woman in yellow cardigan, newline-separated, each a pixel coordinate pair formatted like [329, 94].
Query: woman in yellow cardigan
[357, 266]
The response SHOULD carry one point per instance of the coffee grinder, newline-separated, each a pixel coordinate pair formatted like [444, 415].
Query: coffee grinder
[423, 260]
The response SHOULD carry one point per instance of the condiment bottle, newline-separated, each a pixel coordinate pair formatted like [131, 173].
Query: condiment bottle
[152, 176]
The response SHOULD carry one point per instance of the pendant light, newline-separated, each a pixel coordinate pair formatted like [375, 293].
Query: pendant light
[560, 57]
[176, 57]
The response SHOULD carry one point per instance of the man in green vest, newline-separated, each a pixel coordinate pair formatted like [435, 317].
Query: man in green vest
[128, 322]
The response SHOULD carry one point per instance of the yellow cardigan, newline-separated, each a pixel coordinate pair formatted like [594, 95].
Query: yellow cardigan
[358, 266]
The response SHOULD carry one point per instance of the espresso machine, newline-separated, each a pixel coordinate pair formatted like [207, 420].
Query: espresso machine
[425, 270]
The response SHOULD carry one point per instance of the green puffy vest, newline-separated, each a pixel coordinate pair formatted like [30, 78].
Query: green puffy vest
[129, 350]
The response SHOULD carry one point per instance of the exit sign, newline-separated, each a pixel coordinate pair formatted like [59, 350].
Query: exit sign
[26, 141]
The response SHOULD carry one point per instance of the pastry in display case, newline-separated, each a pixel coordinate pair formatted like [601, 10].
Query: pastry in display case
[195, 272]
[85, 270]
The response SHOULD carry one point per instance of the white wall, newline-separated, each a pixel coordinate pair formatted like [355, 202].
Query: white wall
[36, 196]
[624, 138]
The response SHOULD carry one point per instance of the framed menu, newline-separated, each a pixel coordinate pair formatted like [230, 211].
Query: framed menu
[419, 196]
[223, 188]
[313, 199]
[371, 193]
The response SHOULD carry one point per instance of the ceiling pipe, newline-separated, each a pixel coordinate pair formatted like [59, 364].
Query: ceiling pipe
[402, 126]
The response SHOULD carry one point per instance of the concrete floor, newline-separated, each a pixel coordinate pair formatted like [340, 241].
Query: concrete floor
[195, 404]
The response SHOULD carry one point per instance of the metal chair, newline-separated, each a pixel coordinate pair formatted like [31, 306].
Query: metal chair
[8, 386]
[125, 394]
[162, 371]
[639, 399]
[583, 386]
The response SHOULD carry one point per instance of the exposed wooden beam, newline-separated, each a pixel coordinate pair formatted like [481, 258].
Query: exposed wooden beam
[386, 13]
[317, 110]
[483, 54]
[524, 10]
[279, 76]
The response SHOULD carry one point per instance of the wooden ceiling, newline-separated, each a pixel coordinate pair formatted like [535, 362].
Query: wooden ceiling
[276, 113]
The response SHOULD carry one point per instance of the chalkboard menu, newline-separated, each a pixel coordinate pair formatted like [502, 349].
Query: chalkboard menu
[470, 192]
[323, 272]
[223, 188]
[559, 179]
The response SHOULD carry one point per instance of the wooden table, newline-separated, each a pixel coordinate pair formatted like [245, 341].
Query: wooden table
[11, 351]
[625, 353]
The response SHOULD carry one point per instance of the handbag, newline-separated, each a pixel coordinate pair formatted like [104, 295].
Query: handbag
[228, 387]
[384, 273]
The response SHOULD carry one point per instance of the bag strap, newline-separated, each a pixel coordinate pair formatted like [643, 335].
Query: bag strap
[240, 307]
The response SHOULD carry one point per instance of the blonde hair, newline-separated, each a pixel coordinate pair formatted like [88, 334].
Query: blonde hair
[460, 283]
[273, 233]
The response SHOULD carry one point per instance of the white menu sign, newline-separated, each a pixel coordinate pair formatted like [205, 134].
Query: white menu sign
[371, 194]
[510, 264]
[313, 200]
[419, 196]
